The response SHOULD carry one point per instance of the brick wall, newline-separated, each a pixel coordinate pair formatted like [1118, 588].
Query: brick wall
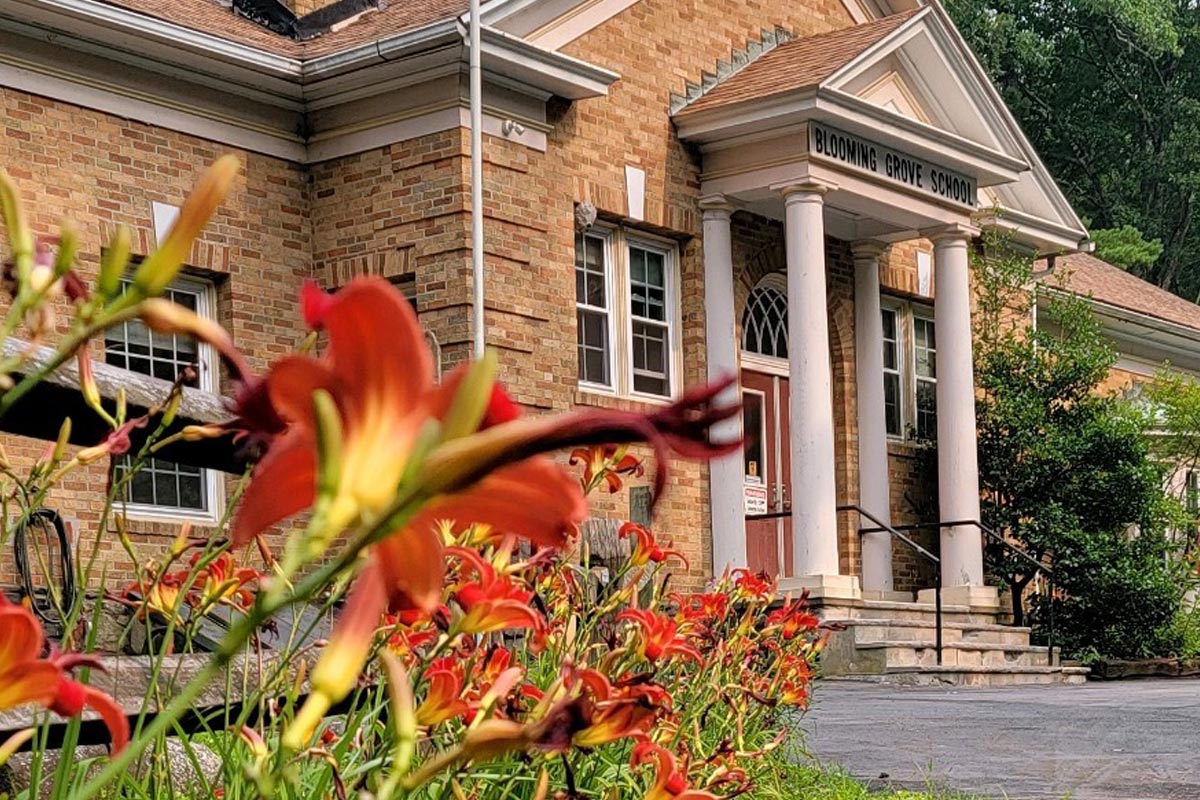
[99, 171]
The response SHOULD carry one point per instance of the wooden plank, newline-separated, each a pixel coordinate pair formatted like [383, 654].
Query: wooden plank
[40, 413]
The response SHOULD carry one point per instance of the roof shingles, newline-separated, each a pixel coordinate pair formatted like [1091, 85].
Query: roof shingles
[1087, 275]
[797, 64]
[209, 16]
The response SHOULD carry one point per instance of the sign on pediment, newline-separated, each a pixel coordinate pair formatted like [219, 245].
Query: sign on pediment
[864, 155]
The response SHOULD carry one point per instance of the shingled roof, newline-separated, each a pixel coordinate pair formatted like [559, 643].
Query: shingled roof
[1085, 274]
[795, 65]
[215, 19]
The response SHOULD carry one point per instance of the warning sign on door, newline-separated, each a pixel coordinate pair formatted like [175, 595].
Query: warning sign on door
[756, 499]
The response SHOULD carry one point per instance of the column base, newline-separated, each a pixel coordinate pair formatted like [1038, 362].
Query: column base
[888, 597]
[822, 587]
[980, 598]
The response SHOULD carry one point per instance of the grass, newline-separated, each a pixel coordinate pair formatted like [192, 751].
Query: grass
[817, 783]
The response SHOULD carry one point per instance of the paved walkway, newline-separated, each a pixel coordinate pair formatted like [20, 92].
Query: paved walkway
[1130, 740]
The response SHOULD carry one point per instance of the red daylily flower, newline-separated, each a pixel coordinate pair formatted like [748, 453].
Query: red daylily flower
[753, 585]
[26, 677]
[645, 548]
[706, 609]
[608, 463]
[793, 618]
[444, 699]
[670, 783]
[490, 603]
[658, 635]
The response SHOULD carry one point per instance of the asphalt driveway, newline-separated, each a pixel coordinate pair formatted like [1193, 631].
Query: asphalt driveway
[1131, 740]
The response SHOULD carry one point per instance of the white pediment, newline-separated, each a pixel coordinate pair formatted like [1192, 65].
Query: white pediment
[926, 72]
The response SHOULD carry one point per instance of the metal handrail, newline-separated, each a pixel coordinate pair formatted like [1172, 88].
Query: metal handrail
[883, 527]
[1039, 566]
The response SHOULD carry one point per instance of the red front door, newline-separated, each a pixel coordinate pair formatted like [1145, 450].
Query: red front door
[767, 470]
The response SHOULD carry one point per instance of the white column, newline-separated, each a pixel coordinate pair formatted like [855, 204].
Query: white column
[874, 487]
[814, 497]
[725, 474]
[958, 470]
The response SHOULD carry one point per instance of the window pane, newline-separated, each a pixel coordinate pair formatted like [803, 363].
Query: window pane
[651, 357]
[891, 403]
[891, 345]
[134, 347]
[593, 346]
[926, 409]
[752, 422]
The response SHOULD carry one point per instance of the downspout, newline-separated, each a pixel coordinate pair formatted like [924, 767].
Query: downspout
[476, 85]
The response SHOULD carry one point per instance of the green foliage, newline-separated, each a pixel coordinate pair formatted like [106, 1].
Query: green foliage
[1126, 248]
[1109, 93]
[1068, 472]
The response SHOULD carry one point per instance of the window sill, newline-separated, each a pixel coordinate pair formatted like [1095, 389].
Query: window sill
[596, 398]
[168, 516]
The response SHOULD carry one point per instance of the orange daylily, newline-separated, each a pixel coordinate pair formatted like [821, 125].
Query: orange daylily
[704, 609]
[444, 699]
[368, 398]
[752, 585]
[669, 782]
[490, 603]
[793, 618]
[658, 635]
[646, 549]
[606, 463]
[26, 677]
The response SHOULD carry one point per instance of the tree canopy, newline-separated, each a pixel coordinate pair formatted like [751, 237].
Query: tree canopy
[1109, 93]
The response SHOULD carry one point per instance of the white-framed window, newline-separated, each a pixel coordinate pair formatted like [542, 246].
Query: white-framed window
[909, 369]
[627, 313]
[164, 488]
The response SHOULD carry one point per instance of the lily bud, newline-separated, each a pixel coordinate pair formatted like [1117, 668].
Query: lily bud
[20, 238]
[113, 263]
[68, 247]
[471, 401]
[161, 267]
[403, 711]
[87, 379]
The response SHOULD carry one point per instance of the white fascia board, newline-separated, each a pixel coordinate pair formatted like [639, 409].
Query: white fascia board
[1050, 237]
[401, 46]
[568, 77]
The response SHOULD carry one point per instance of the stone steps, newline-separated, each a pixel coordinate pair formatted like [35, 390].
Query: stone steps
[973, 654]
[894, 642]
[985, 676]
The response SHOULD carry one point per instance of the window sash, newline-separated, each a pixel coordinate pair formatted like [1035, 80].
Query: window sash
[627, 332]
[158, 488]
[909, 371]
[596, 310]
[893, 395]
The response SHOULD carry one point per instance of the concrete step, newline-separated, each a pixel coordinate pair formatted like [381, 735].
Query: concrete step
[875, 609]
[982, 676]
[887, 654]
[907, 630]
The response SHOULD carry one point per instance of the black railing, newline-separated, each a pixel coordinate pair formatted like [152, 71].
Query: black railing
[1038, 566]
[896, 534]
[883, 527]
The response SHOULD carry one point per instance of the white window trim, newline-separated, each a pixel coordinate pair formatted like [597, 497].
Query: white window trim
[606, 235]
[620, 316]
[208, 381]
[926, 315]
[906, 311]
[901, 348]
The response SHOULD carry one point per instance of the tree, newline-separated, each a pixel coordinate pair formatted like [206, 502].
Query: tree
[1066, 471]
[1127, 248]
[1109, 93]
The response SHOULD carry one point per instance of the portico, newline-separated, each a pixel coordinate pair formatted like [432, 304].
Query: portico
[861, 141]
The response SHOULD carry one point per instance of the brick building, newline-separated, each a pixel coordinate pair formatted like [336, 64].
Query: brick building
[672, 190]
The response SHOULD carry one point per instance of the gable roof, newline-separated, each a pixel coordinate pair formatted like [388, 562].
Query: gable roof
[215, 19]
[797, 64]
[1084, 274]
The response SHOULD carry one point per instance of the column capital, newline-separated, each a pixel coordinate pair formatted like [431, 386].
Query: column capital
[802, 191]
[867, 249]
[956, 232]
[716, 206]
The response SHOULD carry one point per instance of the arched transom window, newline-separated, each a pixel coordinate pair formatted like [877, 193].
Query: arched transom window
[765, 320]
